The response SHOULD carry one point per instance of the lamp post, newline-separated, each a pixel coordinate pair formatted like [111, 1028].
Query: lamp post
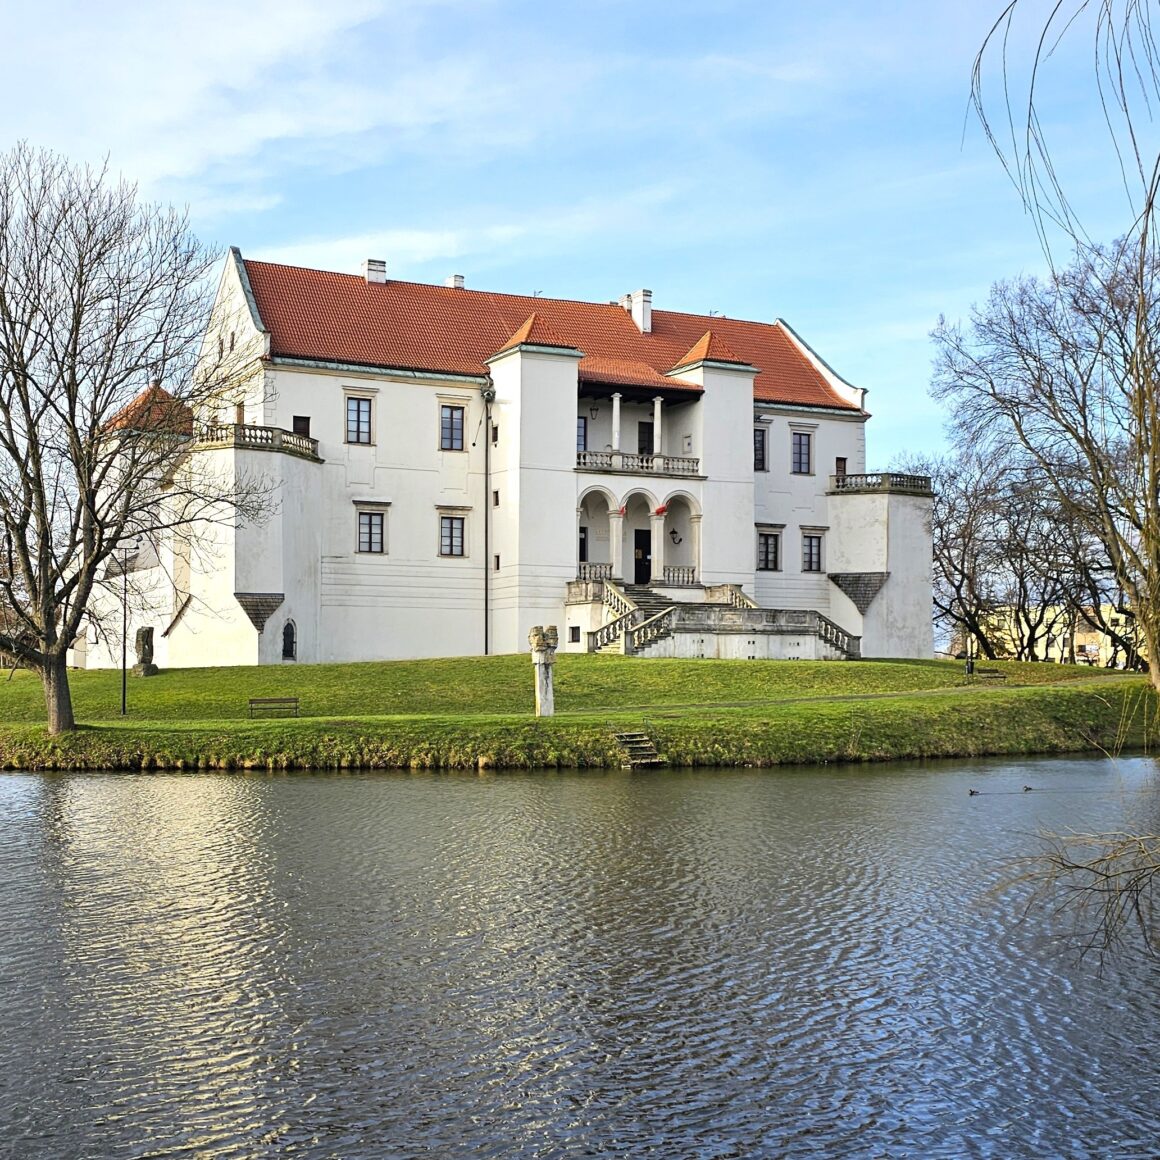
[126, 550]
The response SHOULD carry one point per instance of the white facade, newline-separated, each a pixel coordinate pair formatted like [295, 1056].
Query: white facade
[424, 513]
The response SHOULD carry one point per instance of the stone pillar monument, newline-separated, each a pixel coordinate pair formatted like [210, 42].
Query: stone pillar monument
[543, 641]
[145, 666]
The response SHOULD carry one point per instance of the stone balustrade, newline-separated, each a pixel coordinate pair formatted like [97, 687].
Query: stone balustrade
[873, 481]
[254, 438]
[634, 464]
[677, 575]
[594, 571]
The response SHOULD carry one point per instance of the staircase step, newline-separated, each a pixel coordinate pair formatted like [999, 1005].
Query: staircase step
[638, 749]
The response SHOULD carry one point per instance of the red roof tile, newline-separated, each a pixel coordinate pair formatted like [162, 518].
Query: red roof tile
[534, 332]
[154, 409]
[710, 347]
[323, 316]
[628, 373]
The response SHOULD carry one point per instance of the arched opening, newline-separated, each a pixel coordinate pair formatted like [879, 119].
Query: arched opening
[638, 545]
[681, 541]
[593, 544]
[289, 641]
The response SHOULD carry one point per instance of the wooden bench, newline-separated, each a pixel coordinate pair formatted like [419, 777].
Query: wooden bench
[274, 705]
[990, 674]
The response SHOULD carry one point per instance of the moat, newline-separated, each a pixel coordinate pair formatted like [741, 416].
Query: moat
[822, 962]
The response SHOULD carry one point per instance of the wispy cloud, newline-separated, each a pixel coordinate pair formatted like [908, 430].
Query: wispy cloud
[409, 252]
[403, 249]
[182, 91]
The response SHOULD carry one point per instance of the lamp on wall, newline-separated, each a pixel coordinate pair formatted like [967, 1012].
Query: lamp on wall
[594, 410]
[674, 535]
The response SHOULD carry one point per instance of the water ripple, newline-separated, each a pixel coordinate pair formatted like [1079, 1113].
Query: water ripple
[703, 965]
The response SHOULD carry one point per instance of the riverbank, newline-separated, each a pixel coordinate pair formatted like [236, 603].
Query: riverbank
[378, 716]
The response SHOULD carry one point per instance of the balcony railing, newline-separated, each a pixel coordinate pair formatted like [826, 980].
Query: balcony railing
[676, 575]
[587, 571]
[255, 438]
[882, 481]
[637, 464]
[639, 630]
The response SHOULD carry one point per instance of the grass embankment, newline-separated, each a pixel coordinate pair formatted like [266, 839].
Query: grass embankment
[474, 713]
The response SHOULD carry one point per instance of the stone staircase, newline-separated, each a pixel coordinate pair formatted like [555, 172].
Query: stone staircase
[638, 750]
[648, 601]
[638, 618]
[646, 605]
[650, 604]
[653, 604]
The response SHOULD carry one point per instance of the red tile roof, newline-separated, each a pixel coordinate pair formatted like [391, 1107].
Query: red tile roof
[154, 409]
[627, 373]
[329, 317]
[710, 347]
[534, 332]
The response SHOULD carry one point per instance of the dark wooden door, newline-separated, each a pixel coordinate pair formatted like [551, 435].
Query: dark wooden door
[642, 557]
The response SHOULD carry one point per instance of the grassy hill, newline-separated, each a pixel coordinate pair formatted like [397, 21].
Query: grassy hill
[476, 712]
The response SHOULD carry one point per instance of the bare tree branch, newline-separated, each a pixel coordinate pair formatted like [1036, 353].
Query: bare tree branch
[101, 299]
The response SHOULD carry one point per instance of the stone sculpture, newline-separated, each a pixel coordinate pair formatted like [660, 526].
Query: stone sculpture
[544, 641]
[145, 666]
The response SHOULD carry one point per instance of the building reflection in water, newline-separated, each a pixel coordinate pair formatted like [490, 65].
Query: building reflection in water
[169, 967]
[704, 963]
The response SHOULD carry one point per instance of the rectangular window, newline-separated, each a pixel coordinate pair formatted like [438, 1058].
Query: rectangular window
[495, 563]
[574, 634]
[801, 453]
[301, 425]
[581, 433]
[644, 438]
[768, 551]
[451, 535]
[358, 420]
[451, 431]
[494, 434]
[583, 545]
[495, 499]
[811, 553]
[370, 532]
[840, 465]
[760, 439]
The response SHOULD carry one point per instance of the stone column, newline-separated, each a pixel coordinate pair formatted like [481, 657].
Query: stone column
[544, 641]
[616, 435]
[657, 445]
[657, 529]
[695, 525]
[616, 544]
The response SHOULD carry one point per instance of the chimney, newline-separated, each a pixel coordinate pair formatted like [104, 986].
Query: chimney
[455, 281]
[639, 305]
[375, 270]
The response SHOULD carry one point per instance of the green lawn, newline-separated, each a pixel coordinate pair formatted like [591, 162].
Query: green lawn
[494, 685]
[476, 713]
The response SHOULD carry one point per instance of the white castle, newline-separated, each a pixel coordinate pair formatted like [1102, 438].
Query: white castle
[453, 466]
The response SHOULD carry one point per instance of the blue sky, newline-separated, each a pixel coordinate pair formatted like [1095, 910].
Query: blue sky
[816, 162]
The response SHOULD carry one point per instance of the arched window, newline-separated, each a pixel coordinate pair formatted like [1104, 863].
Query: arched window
[289, 641]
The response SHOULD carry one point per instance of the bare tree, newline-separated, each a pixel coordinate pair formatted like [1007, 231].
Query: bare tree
[1070, 365]
[1105, 884]
[1064, 366]
[1005, 579]
[101, 299]
[965, 559]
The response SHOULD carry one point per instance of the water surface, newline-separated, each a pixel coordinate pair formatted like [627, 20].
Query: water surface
[704, 964]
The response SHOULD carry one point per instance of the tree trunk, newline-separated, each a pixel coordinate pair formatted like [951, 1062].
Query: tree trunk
[57, 696]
